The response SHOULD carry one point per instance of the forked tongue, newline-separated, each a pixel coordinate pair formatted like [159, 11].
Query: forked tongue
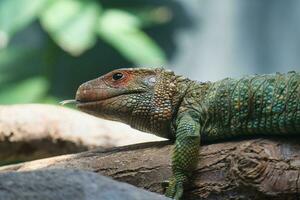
[70, 101]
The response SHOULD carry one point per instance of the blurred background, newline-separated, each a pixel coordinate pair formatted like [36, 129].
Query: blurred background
[49, 47]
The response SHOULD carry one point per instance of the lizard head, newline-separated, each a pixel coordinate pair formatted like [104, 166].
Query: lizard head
[143, 98]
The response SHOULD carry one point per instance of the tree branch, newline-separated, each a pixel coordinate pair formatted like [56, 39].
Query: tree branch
[35, 131]
[251, 169]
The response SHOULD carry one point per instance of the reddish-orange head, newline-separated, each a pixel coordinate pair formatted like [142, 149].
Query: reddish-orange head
[142, 98]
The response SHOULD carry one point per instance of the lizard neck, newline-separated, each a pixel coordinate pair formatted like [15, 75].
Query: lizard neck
[156, 111]
[193, 102]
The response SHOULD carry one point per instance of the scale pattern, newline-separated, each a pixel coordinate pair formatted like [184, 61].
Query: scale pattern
[260, 104]
[174, 107]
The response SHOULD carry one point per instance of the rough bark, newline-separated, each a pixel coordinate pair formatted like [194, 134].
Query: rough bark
[34, 131]
[249, 169]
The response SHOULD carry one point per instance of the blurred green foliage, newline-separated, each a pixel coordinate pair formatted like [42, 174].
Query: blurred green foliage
[27, 68]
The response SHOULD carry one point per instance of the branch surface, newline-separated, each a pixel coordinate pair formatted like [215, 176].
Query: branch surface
[249, 169]
[34, 131]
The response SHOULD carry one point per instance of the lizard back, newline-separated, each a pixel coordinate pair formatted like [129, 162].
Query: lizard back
[252, 105]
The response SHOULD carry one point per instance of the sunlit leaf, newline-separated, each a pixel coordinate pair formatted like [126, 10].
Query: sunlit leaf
[122, 30]
[150, 16]
[31, 90]
[15, 15]
[72, 23]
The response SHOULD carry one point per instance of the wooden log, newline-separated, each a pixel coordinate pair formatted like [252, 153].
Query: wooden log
[35, 131]
[248, 169]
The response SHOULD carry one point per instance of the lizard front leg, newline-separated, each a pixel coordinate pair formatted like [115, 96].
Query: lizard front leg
[185, 155]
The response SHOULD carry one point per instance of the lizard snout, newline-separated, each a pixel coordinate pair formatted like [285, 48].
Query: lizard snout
[86, 93]
[94, 90]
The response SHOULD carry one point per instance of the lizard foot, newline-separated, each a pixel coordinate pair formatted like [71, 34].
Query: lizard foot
[175, 188]
[165, 184]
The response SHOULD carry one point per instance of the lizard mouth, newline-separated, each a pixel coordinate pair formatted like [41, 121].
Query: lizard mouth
[88, 103]
[82, 101]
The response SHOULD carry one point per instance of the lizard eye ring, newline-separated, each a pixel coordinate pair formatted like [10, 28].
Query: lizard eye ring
[117, 76]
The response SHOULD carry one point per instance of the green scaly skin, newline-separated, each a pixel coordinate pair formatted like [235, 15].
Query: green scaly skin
[174, 107]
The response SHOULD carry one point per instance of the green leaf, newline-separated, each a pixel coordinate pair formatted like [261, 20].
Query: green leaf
[151, 15]
[28, 91]
[15, 15]
[71, 23]
[122, 30]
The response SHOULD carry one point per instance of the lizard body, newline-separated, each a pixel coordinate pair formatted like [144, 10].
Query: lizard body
[186, 111]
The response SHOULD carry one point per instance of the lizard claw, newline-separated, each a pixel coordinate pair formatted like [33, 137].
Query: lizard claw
[165, 184]
[175, 189]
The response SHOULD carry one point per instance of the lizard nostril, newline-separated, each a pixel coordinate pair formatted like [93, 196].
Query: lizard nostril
[81, 91]
[78, 95]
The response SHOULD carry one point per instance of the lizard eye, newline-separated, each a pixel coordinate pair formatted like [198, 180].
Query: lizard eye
[117, 76]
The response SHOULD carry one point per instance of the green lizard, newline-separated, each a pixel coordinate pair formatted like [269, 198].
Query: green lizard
[171, 106]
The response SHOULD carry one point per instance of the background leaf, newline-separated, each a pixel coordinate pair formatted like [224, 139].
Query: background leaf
[17, 14]
[37, 65]
[71, 23]
[150, 16]
[31, 90]
[122, 30]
